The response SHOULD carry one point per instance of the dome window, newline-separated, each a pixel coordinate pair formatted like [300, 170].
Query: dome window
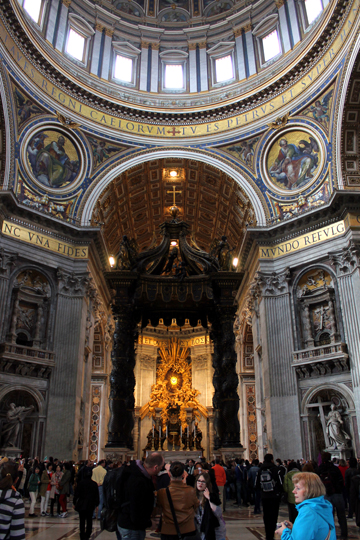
[222, 64]
[313, 8]
[224, 69]
[271, 45]
[173, 68]
[174, 77]
[125, 63]
[35, 10]
[268, 40]
[124, 68]
[75, 45]
[78, 38]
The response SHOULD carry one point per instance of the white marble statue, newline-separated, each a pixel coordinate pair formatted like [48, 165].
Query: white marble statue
[337, 436]
[14, 416]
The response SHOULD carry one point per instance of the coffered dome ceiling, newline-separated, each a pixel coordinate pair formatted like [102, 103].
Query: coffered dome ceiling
[138, 201]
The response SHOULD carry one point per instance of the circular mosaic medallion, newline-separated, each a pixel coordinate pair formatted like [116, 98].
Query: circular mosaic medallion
[53, 158]
[293, 160]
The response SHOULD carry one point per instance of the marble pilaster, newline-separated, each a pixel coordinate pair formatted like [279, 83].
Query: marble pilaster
[284, 29]
[96, 51]
[60, 37]
[154, 82]
[51, 23]
[277, 380]
[66, 380]
[7, 261]
[144, 62]
[105, 66]
[347, 265]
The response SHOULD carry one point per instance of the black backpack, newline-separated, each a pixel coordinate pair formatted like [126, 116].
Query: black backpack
[113, 494]
[267, 482]
[332, 481]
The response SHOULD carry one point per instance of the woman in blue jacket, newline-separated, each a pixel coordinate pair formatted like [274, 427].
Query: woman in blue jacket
[315, 520]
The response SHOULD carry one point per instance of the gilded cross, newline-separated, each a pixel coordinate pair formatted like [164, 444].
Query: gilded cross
[174, 192]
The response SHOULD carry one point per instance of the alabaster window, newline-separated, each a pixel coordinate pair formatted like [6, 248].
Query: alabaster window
[35, 9]
[173, 70]
[124, 68]
[313, 8]
[268, 40]
[78, 39]
[125, 61]
[222, 63]
[224, 69]
[271, 45]
[75, 45]
[174, 77]
[310, 11]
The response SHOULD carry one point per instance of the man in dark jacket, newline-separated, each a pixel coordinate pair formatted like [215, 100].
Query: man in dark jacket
[86, 499]
[349, 474]
[334, 485]
[138, 500]
[268, 482]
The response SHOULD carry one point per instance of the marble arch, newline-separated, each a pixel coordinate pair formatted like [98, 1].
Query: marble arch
[341, 388]
[36, 394]
[254, 197]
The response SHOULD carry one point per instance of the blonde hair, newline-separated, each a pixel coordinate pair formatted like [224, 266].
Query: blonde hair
[313, 485]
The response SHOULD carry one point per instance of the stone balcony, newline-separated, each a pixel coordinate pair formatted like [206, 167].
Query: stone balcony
[26, 361]
[324, 360]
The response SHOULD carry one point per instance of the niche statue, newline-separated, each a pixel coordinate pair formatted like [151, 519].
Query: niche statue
[337, 436]
[14, 416]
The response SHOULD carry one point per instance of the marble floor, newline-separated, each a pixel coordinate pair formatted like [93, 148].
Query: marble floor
[240, 523]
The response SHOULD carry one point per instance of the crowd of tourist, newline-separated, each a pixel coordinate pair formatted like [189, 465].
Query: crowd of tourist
[190, 498]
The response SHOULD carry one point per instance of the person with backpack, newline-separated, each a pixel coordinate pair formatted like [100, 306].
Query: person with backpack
[334, 485]
[268, 482]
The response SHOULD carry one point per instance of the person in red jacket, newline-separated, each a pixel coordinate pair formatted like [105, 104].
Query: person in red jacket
[220, 476]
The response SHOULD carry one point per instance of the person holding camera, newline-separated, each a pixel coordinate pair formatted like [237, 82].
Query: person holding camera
[315, 520]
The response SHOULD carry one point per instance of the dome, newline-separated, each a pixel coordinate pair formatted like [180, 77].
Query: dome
[179, 57]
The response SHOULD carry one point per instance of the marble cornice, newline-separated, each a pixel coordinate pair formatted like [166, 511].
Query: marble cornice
[12, 210]
[340, 204]
[306, 63]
